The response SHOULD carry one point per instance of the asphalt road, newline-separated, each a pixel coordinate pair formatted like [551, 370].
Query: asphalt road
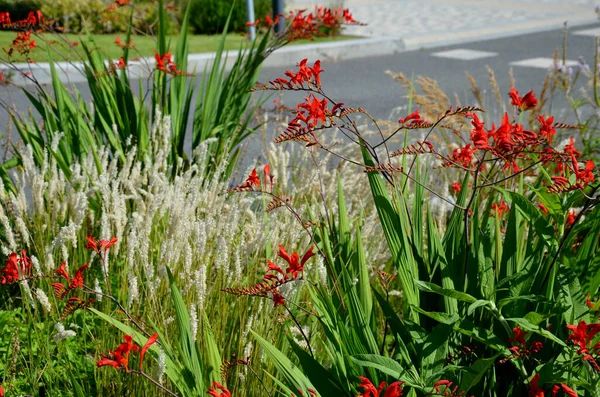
[363, 82]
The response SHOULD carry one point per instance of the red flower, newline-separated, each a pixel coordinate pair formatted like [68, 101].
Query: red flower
[570, 148]
[543, 208]
[463, 156]
[122, 3]
[369, 390]
[584, 176]
[534, 390]
[546, 128]
[528, 101]
[570, 218]
[121, 64]
[519, 336]
[500, 208]
[582, 334]
[223, 390]
[77, 281]
[317, 110]
[294, 267]
[100, 245]
[16, 267]
[568, 391]
[456, 187]
[150, 342]
[165, 63]
[1, 391]
[413, 116]
[278, 299]
[253, 179]
[120, 355]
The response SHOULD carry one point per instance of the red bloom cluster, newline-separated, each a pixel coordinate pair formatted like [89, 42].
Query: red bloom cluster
[23, 44]
[444, 388]
[34, 19]
[16, 268]
[499, 208]
[253, 181]
[536, 391]
[582, 336]
[269, 285]
[519, 348]
[510, 142]
[302, 25]
[60, 291]
[528, 101]
[120, 357]
[305, 74]
[218, 390]
[369, 390]
[416, 121]
[4, 18]
[456, 187]
[165, 63]
[100, 246]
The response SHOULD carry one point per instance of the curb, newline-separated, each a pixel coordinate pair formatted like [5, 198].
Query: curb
[290, 55]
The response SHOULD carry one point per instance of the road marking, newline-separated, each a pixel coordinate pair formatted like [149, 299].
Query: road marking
[588, 32]
[464, 54]
[541, 63]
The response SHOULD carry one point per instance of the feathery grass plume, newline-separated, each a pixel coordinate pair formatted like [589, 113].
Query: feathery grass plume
[42, 298]
[495, 88]
[475, 89]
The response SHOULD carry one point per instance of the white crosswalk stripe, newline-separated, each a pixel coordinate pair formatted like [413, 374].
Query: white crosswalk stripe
[464, 54]
[541, 63]
[588, 32]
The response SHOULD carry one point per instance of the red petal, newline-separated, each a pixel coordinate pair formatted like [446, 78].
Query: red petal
[309, 254]
[149, 343]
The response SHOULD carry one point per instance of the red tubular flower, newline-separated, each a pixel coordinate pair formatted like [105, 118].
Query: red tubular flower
[294, 267]
[584, 176]
[1, 391]
[568, 391]
[582, 334]
[413, 116]
[77, 281]
[317, 110]
[278, 299]
[100, 245]
[519, 336]
[570, 148]
[122, 3]
[500, 208]
[218, 390]
[456, 187]
[150, 342]
[253, 179]
[534, 389]
[528, 101]
[570, 218]
[546, 127]
[463, 156]
[121, 64]
[369, 390]
[120, 355]
[16, 267]
[543, 208]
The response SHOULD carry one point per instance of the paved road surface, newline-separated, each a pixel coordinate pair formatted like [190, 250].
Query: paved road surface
[362, 82]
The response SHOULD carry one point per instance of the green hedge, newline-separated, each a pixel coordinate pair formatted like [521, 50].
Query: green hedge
[19, 9]
[210, 16]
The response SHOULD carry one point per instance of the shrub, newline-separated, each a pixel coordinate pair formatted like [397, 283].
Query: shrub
[19, 9]
[210, 16]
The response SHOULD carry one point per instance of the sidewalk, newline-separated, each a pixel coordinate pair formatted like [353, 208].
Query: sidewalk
[394, 26]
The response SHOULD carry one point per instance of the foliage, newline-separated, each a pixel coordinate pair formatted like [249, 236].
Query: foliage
[210, 16]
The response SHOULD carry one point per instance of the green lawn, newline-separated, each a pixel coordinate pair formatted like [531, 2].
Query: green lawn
[144, 45]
